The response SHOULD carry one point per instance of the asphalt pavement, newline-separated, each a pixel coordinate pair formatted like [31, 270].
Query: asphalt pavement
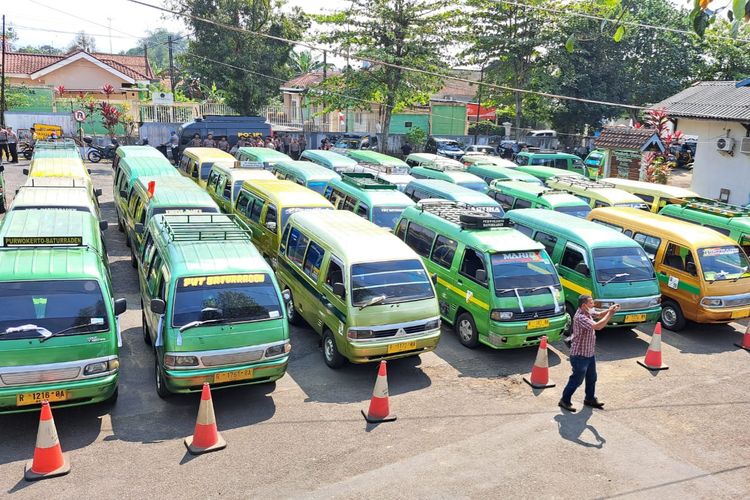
[468, 427]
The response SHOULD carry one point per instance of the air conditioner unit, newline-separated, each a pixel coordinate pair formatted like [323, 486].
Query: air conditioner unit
[725, 144]
[745, 145]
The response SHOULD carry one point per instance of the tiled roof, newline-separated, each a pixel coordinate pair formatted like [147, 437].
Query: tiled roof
[304, 81]
[711, 100]
[133, 66]
[624, 137]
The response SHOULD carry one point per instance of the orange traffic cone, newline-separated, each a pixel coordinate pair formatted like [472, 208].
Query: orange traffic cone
[379, 408]
[49, 460]
[539, 378]
[745, 339]
[653, 354]
[206, 436]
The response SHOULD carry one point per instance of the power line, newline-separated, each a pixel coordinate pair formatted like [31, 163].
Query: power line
[384, 63]
[31, 28]
[82, 19]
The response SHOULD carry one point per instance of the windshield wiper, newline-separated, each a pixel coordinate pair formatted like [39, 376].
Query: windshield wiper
[193, 324]
[373, 301]
[66, 330]
[616, 276]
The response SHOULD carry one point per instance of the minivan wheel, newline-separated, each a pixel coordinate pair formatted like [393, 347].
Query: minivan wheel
[294, 317]
[467, 331]
[161, 389]
[331, 354]
[671, 316]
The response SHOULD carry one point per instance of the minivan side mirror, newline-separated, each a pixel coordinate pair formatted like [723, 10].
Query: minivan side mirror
[434, 278]
[120, 306]
[123, 193]
[691, 269]
[88, 170]
[139, 227]
[103, 225]
[158, 306]
[271, 226]
[2, 169]
[25, 171]
[97, 192]
[481, 275]
[339, 290]
[195, 173]
[583, 269]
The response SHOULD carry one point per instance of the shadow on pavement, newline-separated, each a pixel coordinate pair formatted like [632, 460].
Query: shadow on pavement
[705, 338]
[572, 427]
[620, 343]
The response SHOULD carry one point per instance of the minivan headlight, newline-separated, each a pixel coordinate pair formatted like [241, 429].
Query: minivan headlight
[173, 361]
[603, 304]
[278, 350]
[94, 368]
[655, 301]
[432, 325]
[360, 334]
[712, 302]
[498, 315]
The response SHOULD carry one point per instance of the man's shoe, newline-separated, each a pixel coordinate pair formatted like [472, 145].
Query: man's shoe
[566, 406]
[594, 403]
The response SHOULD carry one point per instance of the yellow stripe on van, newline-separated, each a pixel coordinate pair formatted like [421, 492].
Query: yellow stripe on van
[462, 293]
[576, 288]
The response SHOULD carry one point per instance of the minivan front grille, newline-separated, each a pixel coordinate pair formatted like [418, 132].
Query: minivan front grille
[528, 315]
[40, 376]
[236, 358]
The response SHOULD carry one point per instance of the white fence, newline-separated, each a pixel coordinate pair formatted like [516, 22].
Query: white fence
[181, 112]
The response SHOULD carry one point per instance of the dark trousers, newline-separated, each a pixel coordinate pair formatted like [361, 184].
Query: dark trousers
[13, 151]
[583, 369]
[4, 151]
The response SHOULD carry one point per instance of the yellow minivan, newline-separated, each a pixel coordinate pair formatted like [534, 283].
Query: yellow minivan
[704, 276]
[596, 194]
[265, 205]
[656, 196]
[196, 163]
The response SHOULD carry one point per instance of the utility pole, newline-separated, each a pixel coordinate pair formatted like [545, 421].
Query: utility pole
[479, 105]
[110, 34]
[2, 81]
[171, 65]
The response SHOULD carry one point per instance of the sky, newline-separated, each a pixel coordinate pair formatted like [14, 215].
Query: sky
[39, 22]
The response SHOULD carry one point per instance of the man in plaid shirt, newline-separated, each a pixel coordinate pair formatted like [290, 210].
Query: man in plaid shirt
[583, 341]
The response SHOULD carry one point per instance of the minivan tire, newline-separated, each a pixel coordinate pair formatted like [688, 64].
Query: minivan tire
[161, 389]
[466, 330]
[331, 354]
[295, 318]
[671, 316]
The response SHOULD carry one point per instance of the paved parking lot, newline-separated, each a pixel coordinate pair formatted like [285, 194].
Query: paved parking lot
[468, 426]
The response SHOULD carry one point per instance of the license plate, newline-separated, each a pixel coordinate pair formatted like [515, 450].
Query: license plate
[537, 323]
[35, 398]
[635, 318]
[743, 313]
[402, 346]
[220, 378]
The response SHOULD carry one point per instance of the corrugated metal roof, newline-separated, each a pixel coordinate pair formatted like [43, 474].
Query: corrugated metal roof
[712, 100]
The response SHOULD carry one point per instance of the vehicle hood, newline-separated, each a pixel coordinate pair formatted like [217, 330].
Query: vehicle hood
[388, 314]
[210, 337]
[627, 290]
[22, 352]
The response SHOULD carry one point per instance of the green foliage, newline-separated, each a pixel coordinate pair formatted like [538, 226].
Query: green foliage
[82, 41]
[486, 128]
[249, 68]
[41, 49]
[158, 49]
[305, 62]
[416, 137]
[737, 13]
[408, 33]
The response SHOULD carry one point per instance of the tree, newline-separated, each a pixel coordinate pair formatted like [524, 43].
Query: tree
[246, 67]
[702, 16]
[403, 33]
[82, 41]
[305, 62]
[723, 59]
[42, 49]
[158, 47]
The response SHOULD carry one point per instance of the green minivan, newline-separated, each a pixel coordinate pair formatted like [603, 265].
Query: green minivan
[490, 173]
[212, 309]
[456, 175]
[305, 173]
[330, 160]
[495, 286]
[559, 161]
[74, 197]
[370, 197]
[422, 189]
[362, 290]
[59, 335]
[729, 220]
[514, 194]
[384, 167]
[595, 260]
[260, 157]
[544, 174]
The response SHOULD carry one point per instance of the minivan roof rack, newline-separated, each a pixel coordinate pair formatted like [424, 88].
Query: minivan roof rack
[443, 166]
[584, 183]
[551, 191]
[718, 208]
[366, 181]
[462, 215]
[55, 144]
[205, 227]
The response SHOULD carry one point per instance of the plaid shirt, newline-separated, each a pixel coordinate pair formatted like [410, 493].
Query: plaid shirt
[583, 339]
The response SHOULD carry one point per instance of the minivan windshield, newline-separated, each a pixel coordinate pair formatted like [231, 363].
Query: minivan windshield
[234, 298]
[523, 272]
[36, 309]
[723, 263]
[575, 210]
[389, 282]
[622, 265]
[386, 216]
[641, 206]
[475, 186]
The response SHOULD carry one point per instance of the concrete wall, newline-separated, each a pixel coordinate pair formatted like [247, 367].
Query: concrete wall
[713, 169]
[417, 120]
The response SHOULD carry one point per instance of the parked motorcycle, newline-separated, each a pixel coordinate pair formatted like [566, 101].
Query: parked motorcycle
[98, 153]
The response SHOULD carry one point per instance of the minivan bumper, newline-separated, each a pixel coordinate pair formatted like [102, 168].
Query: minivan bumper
[515, 334]
[186, 380]
[629, 318]
[80, 392]
[723, 315]
[366, 352]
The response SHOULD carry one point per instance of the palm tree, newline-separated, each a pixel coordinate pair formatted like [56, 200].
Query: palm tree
[304, 62]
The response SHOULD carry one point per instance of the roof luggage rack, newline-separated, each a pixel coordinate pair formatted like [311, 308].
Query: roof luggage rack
[206, 227]
[462, 214]
[55, 144]
[366, 181]
[60, 182]
[584, 183]
[551, 191]
[445, 166]
[386, 169]
[718, 208]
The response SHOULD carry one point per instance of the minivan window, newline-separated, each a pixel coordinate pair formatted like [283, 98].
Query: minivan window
[547, 240]
[474, 186]
[313, 260]
[296, 245]
[523, 229]
[472, 263]
[649, 243]
[445, 249]
[521, 203]
[386, 216]
[420, 239]
[575, 210]
[723, 263]
[574, 260]
[401, 229]
[255, 210]
[44, 307]
[389, 282]
[677, 257]
[243, 298]
[525, 273]
[335, 274]
[622, 265]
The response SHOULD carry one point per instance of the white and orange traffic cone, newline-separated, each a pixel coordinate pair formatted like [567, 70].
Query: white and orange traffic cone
[379, 410]
[49, 460]
[745, 339]
[653, 354]
[539, 378]
[206, 436]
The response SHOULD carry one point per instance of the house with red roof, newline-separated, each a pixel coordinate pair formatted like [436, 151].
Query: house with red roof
[80, 71]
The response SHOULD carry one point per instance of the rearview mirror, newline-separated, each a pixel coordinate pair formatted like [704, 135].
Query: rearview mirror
[139, 227]
[434, 279]
[97, 192]
[103, 225]
[120, 306]
[158, 306]
[481, 275]
[339, 290]
[25, 171]
[286, 295]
